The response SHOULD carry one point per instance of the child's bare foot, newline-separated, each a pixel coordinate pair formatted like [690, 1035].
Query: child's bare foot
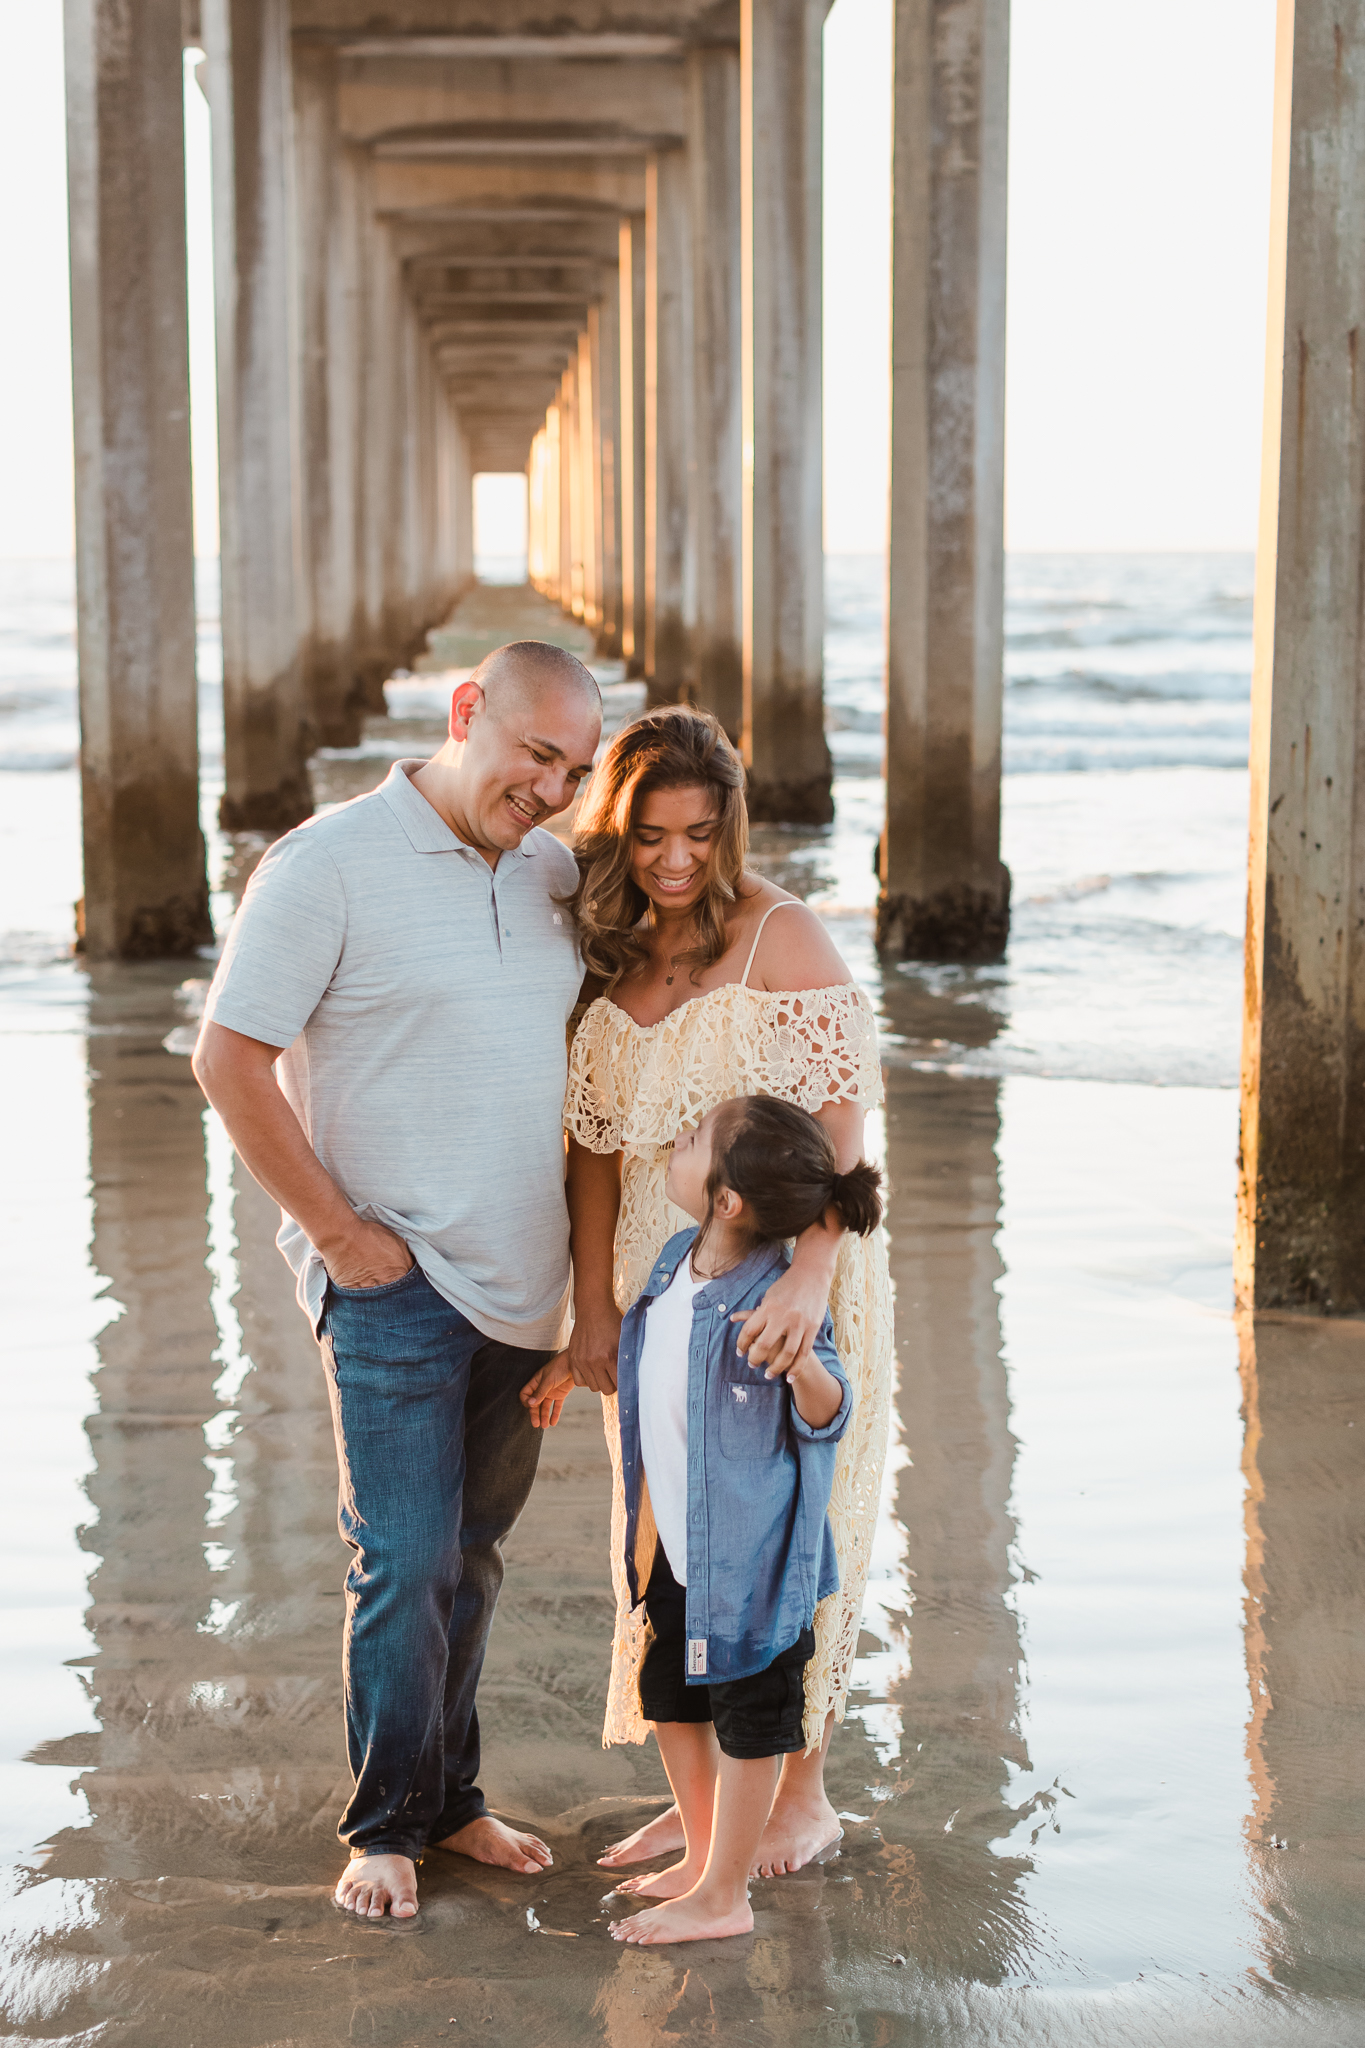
[660, 1837]
[688, 1919]
[375, 1885]
[662, 1884]
[795, 1834]
[491, 1841]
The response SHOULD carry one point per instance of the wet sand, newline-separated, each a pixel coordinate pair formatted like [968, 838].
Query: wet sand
[1100, 1775]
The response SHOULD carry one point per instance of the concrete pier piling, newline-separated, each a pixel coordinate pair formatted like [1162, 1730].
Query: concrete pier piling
[146, 890]
[717, 384]
[945, 892]
[330, 197]
[631, 347]
[267, 732]
[668, 426]
[785, 750]
[604, 345]
[1301, 1230]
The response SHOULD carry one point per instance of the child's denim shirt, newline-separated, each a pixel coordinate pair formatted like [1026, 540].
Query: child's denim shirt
[760, 1552]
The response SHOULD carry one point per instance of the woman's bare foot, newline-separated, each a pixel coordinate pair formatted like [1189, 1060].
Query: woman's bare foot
[491, 1841]
[375, 1885]
[661, 1884]
[795, 1834]
[661, 1837]
[688, 1919]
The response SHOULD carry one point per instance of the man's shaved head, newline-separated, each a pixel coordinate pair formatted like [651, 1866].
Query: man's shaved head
[514, 675]
[524, 728]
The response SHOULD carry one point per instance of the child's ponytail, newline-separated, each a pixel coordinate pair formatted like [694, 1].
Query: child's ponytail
[856, 1198]
[781, 1163]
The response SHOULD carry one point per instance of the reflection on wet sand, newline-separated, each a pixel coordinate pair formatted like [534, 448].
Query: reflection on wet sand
[194, 1904]
[1304, 1395]
[958, 1703]
[918, 1888]
[208, 1758]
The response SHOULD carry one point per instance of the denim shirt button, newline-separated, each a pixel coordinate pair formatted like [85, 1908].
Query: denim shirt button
[720, 1308]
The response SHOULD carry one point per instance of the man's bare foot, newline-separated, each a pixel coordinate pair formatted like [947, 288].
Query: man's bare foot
[661, 1837]
[661, 1884]
[492, 1841]
[374, 1885]
[688, 1919]
[795, 1836]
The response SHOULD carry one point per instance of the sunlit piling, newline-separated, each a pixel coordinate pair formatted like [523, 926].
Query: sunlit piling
[945, 892]
[266, 728]
[145, 887]
[1301, 1238]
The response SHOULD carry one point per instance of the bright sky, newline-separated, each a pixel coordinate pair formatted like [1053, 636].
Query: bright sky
[1139, 196]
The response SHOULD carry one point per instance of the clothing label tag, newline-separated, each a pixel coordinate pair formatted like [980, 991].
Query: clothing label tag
[696, 1657]
[741, 1395]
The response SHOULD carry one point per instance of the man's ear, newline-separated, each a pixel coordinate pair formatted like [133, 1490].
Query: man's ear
[463, 704]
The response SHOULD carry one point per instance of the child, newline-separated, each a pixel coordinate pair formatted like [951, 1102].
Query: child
[738, 1469]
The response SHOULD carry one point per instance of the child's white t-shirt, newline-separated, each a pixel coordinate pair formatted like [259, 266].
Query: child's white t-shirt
[663, 1411]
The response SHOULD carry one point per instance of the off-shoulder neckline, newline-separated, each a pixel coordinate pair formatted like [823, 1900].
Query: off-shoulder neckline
[725, 987]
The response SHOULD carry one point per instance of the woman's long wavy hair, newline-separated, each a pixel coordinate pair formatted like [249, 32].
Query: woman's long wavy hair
[674, 747]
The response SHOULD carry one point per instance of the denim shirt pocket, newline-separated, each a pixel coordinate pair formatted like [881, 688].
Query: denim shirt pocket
[753, 1417]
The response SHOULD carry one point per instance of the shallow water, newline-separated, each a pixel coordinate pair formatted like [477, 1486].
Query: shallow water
[1112, 1652]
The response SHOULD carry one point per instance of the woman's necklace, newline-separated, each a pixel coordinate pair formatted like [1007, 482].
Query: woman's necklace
[674, 958]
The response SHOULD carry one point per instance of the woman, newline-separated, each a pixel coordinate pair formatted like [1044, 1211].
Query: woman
[708, 982]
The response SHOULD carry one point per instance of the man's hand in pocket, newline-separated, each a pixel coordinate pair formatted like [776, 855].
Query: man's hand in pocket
[372, 1256]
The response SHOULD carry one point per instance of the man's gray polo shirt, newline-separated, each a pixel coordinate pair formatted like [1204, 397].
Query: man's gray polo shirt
[422, 998]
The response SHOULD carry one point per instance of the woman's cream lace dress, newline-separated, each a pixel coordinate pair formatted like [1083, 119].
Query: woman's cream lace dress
[631, 1087]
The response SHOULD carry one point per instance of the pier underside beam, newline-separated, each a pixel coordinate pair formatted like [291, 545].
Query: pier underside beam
[146, 891]
[785, 750]
[945, 891]
[1301, 1223]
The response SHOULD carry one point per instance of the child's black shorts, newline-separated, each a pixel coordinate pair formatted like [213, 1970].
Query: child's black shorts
[757, 1716]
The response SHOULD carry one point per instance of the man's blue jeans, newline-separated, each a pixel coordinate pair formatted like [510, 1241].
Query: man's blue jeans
[436, 1456]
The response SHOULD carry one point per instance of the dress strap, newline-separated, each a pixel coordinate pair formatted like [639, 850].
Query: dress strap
[787, 903]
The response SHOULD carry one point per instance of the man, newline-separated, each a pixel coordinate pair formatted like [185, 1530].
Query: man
[405, 967]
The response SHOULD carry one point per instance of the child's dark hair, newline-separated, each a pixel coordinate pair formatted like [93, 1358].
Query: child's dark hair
[781, 1163]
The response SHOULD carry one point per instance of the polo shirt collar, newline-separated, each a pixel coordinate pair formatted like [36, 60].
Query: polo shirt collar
[423, 823]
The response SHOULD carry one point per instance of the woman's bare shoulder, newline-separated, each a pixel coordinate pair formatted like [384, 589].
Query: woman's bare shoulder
[795, 949]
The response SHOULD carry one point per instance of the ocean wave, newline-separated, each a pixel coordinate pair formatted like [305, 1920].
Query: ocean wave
[1149, 634]
[31, 695]
[1169, 687]
[1023, 758]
